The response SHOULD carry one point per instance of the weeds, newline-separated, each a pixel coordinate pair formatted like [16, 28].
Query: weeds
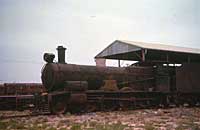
[76, 126]
[96, 126]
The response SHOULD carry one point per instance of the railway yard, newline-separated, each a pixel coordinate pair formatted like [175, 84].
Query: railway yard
[57, 71]
[159, 92]
[181, 118]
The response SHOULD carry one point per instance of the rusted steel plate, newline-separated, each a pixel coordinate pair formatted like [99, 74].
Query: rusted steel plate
[21, 88]
[55, 74]
[188, 78]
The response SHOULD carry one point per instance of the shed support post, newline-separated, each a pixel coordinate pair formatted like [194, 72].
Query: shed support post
[119, 64]
[143, 55]
[167, 57]
[188, 59]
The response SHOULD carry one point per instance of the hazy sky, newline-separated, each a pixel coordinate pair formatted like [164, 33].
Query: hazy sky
[28, 28]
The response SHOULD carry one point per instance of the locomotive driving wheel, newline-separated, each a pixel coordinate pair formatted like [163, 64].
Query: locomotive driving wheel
[125, 104]
[91, 107]
[58, 106]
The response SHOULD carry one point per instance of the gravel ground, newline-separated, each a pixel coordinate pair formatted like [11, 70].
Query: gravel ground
[146, 119]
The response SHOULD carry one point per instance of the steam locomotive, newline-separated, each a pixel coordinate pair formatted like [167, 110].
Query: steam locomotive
[79, 88]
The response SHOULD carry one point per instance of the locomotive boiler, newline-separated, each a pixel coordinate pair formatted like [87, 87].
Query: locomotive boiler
[54, 75]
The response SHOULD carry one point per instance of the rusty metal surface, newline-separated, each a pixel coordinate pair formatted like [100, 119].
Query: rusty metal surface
[188, 78]
[61, 54]
[165, 81]
[78, 99]
[18, 95]
[2, 89]
[55, 74]
[15, 102]
[76, 85]
[21, 88]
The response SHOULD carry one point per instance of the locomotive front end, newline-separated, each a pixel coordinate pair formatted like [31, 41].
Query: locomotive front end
[51, 78]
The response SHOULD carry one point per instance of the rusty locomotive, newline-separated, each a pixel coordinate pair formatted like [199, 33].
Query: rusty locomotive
[90, 88]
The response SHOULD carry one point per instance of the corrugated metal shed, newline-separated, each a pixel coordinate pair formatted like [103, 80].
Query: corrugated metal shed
[139, 51]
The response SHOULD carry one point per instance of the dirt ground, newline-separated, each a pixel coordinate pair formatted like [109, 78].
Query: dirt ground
[146, 119]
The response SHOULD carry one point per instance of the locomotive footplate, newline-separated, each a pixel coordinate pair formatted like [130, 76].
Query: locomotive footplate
[125, 100]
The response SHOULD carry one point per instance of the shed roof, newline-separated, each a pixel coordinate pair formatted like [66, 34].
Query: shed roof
[131, 50]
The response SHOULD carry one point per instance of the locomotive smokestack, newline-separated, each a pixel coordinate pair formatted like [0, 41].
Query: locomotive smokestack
[61, 54]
